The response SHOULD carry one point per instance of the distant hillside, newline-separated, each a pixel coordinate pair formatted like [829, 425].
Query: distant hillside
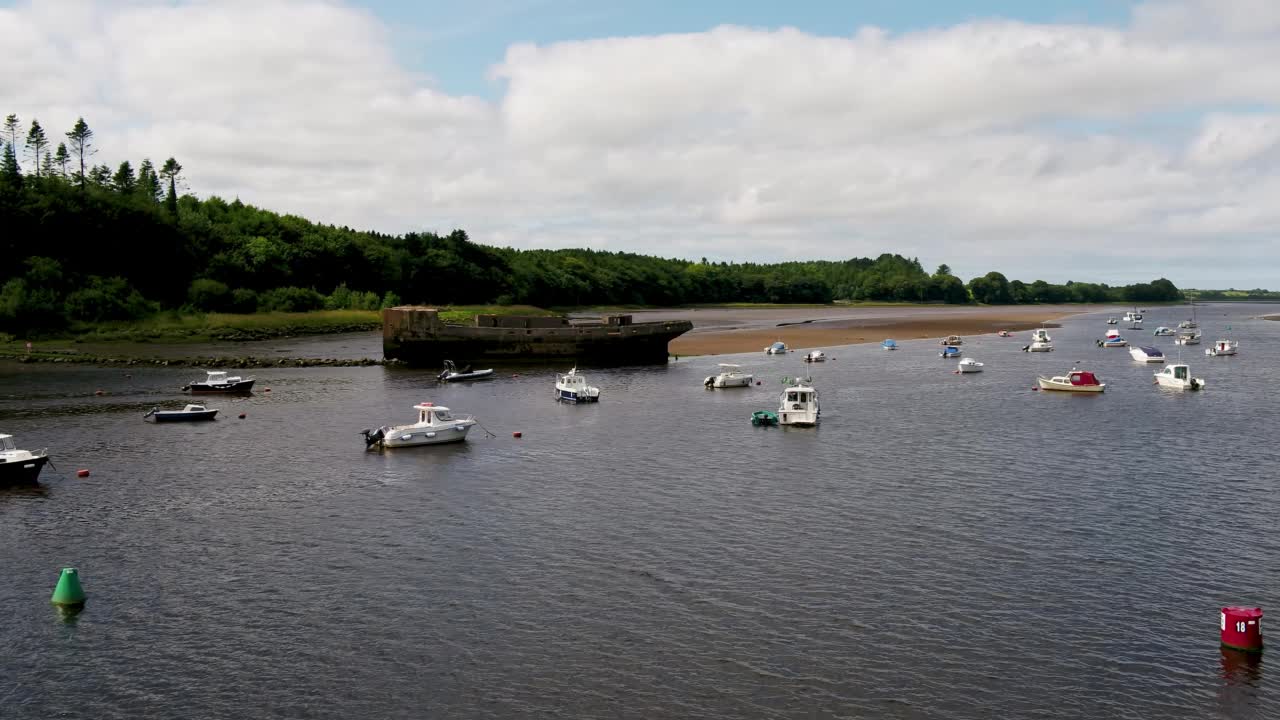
[87, 244]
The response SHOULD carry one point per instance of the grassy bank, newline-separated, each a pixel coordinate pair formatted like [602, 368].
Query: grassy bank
[173, 327]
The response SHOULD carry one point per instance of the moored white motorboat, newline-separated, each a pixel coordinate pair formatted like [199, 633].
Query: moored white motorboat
[1004, 333]
[1111, 321]
[951, 340]
[1074, 381]
[778, 348]
[1187, 338]
[19, 467]
[452, 374]
[1132, 316]
[190, 413]
[1178, 376]
[1113, 341]
[1040, 335]
[1222, 347]
[1146, 354]
[799, 406]
[218, 381]
[1038, 346]
[572, 387]
[969, 365]
[730, 376]
[1163, 331]
[949, 352]
[889, 345]
[435, 426]
[815, 356]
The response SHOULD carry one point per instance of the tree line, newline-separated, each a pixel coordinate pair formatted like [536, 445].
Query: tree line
[88, 244]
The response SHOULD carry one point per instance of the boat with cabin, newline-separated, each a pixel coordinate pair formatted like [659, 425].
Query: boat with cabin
[951, 340]
[1004, 333]
[1038, 346]
[969, 365]
[949, 352]
[218, 381]
[17, 466]
[1074, 381]
[815, 356]
[572, 387]
[451, 373]
[798, 406]
[1112, 320]
[1190, 337]
[1222, 347]
[1163, 331]
[1178, 376]
[1190, 324]
[730, 376]
[190, 413]
[778, 348]
[889, 345]
[1146, 354]
[1113, 341]
[435, 426]
[1040, 335]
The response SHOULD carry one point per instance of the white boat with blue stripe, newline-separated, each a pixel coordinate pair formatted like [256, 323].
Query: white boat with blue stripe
[572, 387]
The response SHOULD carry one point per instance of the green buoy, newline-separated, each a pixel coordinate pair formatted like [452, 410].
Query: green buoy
[68, 593]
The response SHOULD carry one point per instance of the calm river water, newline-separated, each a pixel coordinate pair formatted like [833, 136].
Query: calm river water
[942, 546]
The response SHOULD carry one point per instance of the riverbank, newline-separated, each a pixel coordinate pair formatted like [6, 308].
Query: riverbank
[720, 331]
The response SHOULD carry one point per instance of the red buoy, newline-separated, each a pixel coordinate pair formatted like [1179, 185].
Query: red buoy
[97, 392]
[517, 434]
[267, 390]
[1242, 628]
[82, 473]
[241, 416]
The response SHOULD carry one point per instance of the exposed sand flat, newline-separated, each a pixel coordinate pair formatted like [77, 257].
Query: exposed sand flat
[719, 331]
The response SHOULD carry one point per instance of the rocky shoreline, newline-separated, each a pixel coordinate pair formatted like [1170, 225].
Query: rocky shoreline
[209, 362]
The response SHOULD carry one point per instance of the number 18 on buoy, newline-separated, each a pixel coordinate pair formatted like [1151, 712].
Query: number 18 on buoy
[1242, 628]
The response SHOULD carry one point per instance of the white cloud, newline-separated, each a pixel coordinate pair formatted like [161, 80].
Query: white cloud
[1045, 151]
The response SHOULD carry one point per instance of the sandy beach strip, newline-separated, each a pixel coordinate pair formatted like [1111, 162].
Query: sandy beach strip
[719, 331]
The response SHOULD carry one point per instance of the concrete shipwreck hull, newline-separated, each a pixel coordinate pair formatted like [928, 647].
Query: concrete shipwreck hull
[416, 335]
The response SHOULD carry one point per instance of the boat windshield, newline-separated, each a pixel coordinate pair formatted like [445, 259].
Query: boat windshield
[1180, 373]
[442, 415]
[7, 445]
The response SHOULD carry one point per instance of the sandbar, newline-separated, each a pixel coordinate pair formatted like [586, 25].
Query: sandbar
[718, 331]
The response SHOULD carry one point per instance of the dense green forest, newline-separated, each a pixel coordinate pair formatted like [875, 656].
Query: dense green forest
[85, 244]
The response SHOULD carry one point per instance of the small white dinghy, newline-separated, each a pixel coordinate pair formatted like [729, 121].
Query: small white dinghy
[815, 356]
[730, 376]
[435, 426]
[1178, 376]
[572, 387]
[1146, 354]
[969, 365]
[798, 406]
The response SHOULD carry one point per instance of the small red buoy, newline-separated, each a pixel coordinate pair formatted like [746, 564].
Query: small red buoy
[267, 390]
[241, 416]
[517, 434]
[1242, 628]
[757, 382]
[82, 473]
[97, 392]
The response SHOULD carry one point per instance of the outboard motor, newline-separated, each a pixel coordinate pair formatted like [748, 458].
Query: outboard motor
[709, 382]
[372, 437]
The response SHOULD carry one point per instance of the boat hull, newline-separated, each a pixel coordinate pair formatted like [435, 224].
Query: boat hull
[168, 416]
[1047, 384]
[459, 377]
[571, 396]
[198, 388]
[22, 472]
[731, 382]
[424, 436]
[1176, 384]
[417, 336]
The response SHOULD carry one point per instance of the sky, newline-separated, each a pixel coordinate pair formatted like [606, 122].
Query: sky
[1096, 140]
